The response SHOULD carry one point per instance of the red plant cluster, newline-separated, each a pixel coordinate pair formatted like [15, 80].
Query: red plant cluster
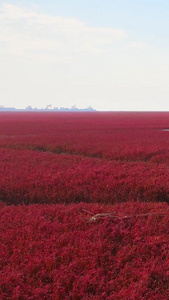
[29, 177]
[57, 252]
[65, 251]
[117, 136]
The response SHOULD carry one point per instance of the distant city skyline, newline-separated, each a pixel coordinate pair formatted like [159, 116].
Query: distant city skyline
[47, 108]
[111, 55]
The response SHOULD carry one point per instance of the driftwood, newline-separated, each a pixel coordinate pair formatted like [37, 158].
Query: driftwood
[111, 215]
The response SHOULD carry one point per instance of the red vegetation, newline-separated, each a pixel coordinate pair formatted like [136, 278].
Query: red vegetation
[34, 177]
[59, 251]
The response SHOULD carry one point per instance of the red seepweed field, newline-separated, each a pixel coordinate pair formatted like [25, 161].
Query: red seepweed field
[84, 206]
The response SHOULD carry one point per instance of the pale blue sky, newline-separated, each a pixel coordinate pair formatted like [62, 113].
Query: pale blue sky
[111, 54]
[143, 18]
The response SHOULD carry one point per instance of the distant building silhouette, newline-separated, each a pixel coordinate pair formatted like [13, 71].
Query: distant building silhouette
[3, 108]
[47, 108]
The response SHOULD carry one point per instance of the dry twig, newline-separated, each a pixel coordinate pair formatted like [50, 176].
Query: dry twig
[110, 215]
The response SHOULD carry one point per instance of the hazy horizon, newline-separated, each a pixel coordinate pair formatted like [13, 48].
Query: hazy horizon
[111, 55]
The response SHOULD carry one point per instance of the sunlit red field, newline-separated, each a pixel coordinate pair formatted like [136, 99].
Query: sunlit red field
[84, 206]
